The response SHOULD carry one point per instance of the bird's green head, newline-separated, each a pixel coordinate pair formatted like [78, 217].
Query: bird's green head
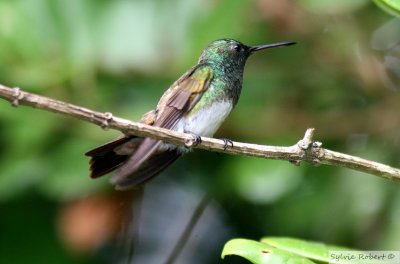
[232, 53]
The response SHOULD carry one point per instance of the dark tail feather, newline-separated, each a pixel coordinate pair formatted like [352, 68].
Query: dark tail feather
[104, 159]
[147, 149]
[154, 165]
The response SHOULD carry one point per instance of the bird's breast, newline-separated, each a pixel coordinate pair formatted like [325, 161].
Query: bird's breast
[206, 120]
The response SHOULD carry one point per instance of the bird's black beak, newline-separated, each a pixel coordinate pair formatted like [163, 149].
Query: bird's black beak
[268, 46]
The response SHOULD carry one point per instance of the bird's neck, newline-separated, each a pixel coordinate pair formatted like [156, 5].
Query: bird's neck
[230, 78]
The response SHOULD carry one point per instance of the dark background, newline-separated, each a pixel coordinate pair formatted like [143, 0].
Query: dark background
[342, 78]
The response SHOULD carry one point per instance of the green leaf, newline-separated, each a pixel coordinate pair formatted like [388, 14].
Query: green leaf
[389, 6]
[260, 253]
[313, 250]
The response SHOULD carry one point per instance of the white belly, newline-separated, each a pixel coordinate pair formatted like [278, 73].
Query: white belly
[206, 121]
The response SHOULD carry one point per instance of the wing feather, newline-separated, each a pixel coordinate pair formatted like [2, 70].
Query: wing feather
[179, 99]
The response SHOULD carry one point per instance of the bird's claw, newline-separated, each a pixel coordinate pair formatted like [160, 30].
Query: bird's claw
[196, 139]
[227, 142]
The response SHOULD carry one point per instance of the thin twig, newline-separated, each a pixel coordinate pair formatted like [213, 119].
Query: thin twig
[184, 237]
[305, 150]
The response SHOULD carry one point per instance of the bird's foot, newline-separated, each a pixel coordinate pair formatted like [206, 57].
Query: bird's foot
[197, 139]
[227, 142]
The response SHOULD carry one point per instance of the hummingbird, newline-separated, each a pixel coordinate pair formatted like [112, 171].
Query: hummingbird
[197, 103]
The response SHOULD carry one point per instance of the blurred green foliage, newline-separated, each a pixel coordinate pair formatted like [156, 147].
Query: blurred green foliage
[119, 56]
[389, 6]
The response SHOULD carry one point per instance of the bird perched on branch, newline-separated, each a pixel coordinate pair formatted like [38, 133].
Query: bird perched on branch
[198, 102]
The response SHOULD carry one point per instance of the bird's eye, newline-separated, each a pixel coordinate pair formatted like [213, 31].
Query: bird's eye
[237, 47]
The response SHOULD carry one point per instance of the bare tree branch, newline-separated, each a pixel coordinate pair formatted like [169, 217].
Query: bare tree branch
[305, 150]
